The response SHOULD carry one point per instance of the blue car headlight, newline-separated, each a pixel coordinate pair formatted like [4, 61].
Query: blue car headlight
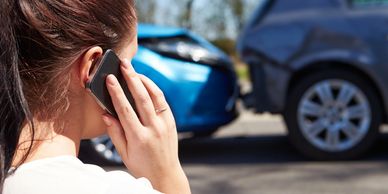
[184, 48]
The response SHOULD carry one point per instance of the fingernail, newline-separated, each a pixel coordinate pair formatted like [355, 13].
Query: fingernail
[106, 121]
[111, 80]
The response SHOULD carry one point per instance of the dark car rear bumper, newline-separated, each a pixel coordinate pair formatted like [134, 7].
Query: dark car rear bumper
[269, 88]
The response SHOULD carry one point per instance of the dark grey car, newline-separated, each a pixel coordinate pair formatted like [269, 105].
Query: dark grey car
[323, 64]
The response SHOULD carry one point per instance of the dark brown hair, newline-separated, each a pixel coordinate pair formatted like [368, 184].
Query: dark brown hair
[39, 40]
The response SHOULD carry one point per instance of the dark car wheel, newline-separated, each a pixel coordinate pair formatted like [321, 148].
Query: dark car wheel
[333, 115]
[100, 151]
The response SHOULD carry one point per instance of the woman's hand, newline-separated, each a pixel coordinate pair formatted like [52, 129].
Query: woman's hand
[147, 142]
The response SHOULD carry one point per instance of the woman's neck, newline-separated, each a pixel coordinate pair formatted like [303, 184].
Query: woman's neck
[50, 141]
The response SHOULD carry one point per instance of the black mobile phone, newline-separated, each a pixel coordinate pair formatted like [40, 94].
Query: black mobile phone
[108, 64]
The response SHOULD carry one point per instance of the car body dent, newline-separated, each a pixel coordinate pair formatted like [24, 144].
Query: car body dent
[292, 37]
[183, 83]
[153, 31]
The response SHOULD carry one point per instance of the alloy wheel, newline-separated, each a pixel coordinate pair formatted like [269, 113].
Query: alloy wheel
[334, 115]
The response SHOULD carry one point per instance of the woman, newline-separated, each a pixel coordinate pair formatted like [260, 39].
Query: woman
[47, 53]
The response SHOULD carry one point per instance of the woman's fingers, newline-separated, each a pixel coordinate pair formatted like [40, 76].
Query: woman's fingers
[116, 133]
[155, 93]
[158, 100]
[149, 146]
[143, 101]
[125, 112]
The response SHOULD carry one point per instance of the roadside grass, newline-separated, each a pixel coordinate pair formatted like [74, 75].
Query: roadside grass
[229, 47]
[242, 72]
[241, 68]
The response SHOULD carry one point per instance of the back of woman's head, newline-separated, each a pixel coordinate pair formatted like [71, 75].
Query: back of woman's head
[39, 40]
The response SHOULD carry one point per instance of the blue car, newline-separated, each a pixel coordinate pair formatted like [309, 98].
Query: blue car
[198, 80]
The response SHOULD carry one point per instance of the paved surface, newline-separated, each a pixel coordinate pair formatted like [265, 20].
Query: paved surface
[252, 155]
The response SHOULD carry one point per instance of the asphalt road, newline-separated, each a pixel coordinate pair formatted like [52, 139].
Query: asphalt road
[252, 155]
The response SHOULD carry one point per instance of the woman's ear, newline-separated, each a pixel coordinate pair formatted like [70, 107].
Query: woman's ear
[87, 62]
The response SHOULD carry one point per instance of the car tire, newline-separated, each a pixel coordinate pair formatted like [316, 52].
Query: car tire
[343, 126]
[97, 151]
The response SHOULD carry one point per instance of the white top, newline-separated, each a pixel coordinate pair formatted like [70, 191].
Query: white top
[68, 175]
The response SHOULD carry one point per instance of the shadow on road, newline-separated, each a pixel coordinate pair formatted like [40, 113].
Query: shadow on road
[256, 150]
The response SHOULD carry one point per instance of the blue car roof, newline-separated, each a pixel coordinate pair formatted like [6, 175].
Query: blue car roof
[149, 31]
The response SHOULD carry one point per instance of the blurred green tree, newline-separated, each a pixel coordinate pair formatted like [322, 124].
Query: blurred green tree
[219, 21]
[185, 17]
[216, 19]
[238, 10]
[146, 10]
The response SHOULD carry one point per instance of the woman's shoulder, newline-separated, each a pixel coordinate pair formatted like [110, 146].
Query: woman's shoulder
[67, 174]
[62, 174]
[61, 166]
